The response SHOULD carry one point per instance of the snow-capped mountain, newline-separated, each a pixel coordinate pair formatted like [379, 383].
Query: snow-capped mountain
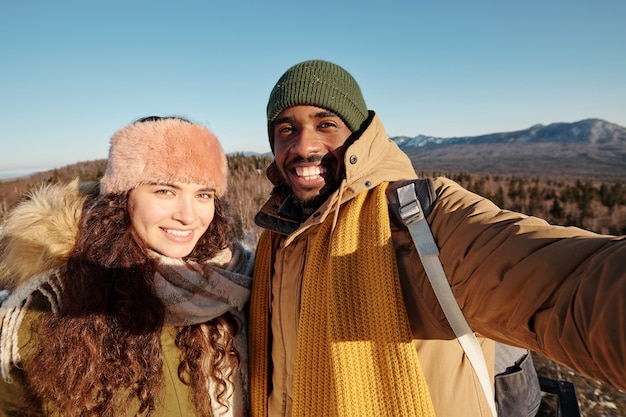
[594, 131]
[588, 149]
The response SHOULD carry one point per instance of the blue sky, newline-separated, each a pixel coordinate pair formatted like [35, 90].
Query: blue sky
[73, 72]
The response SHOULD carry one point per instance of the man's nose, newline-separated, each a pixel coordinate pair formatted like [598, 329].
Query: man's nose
[307, 143]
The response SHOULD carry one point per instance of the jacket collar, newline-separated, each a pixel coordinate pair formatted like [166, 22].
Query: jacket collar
[39, 233]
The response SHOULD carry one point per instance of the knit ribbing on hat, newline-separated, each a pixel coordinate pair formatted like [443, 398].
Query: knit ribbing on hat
[321, 84]
[164, 151]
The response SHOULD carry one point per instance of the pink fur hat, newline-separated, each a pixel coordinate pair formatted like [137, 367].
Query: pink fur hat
[164, 150]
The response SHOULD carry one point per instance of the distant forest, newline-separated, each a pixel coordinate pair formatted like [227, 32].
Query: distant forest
[593, 205]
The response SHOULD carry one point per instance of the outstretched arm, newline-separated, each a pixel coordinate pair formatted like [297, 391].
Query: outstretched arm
[557, 290]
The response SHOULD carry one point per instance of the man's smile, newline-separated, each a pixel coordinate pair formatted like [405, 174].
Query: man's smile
[311, 172]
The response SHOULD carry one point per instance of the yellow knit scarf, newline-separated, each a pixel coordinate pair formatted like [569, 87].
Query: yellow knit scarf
[355, 356]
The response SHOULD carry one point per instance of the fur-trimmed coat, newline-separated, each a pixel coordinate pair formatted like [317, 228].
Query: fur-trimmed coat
[35, 242]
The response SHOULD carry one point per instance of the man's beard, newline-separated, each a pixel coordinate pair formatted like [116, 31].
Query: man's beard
[314, 202]
[310, 203]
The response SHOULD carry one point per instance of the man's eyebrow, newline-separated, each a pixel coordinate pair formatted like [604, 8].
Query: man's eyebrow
[285, 119]
[321, 114]
[326, 114]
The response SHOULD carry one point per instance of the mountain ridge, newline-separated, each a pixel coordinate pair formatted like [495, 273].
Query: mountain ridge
[591, 130]
[591, 148]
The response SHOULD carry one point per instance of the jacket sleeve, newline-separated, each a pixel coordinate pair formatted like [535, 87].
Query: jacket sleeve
[557, 290]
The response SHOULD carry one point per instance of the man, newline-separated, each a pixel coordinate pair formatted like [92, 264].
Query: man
[343, 318]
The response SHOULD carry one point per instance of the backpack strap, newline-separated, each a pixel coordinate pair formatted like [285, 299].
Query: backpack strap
[414, 217]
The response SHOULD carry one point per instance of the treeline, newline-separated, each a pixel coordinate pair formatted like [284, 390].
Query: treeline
[12, 191]
[600, 207]
[248, 189]
[596, 206]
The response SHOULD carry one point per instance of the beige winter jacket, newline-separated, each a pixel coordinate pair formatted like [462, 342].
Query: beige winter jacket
[516, 278]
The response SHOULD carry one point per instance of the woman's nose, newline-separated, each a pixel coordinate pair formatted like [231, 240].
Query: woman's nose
[185, 212]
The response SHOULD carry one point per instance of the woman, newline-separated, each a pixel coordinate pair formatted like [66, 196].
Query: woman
[128, 300]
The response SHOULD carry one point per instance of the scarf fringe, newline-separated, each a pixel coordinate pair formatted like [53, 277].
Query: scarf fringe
[12, 314]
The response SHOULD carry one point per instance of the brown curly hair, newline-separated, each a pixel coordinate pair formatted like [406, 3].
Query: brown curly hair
[102, 352]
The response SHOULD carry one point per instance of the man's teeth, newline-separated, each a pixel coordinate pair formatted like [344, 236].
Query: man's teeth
[178, 232]
[310, 172]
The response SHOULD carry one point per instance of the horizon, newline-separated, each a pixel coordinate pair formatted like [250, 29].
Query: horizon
[8, 175]
[74, 73]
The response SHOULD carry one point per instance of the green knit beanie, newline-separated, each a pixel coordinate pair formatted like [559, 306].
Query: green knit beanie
[321, 84]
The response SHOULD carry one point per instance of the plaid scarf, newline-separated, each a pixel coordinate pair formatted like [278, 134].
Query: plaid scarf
[194, 293]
